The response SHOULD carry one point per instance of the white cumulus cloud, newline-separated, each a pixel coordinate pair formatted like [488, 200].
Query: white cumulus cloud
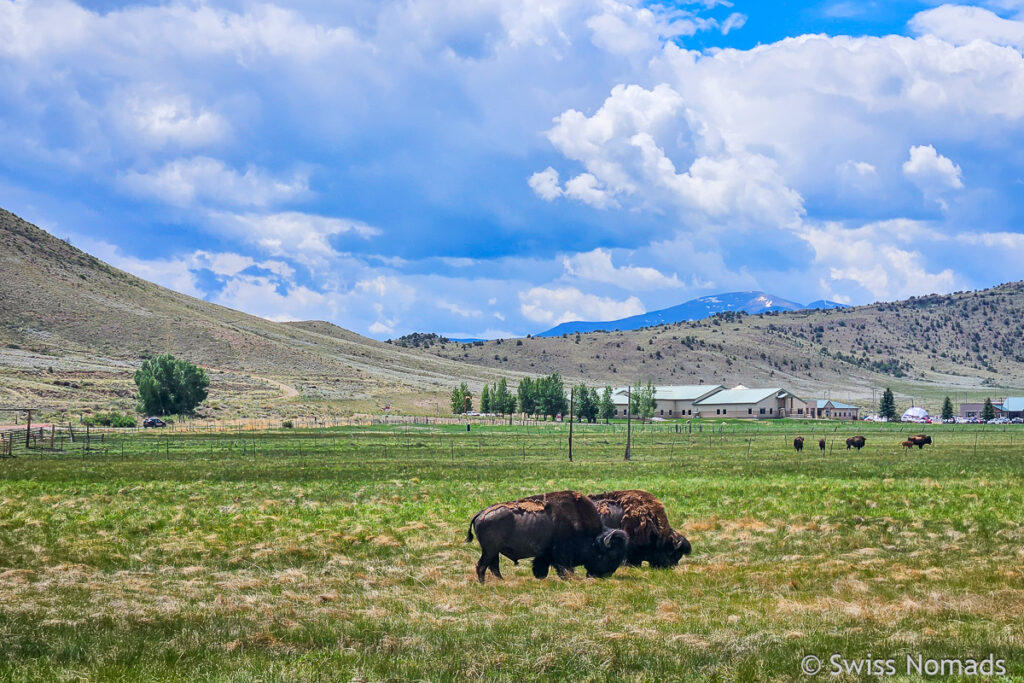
[554, 305]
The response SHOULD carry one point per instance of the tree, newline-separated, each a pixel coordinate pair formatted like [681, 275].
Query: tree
[642, 401]
[485, 400]
[550, 392]
[168, 386]
[988, 411]
[462, 399]
[947, 409]
[607, 408]
[586, 404]
[595, 402]
[527, 397]
[502, 400]
[887, 406]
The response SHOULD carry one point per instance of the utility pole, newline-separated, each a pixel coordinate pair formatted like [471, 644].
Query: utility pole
[629, 418]
[572, 413]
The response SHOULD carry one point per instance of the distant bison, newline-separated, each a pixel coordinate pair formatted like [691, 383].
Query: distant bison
[920, 440]
[562, 529]
[821, 445]
[855, 442]
[798, 444]
[643, 518]
[907, 444]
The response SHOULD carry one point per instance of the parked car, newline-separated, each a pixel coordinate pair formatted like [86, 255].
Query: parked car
[1017, 420]
[153, 422]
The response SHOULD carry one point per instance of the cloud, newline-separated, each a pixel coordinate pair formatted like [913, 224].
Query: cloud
[961, 24]
[201, 179]
[545, 184]
[883, 259]
[931, 171]
[562, 304]
[302, 236]
[158, 121]
[597, 266]
[458, 310]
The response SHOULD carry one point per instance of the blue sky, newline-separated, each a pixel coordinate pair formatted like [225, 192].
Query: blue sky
[494, 168]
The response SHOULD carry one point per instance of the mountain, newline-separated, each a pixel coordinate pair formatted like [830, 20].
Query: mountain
[825, 303]
[964, 345]
[695, 309]
[73, 329]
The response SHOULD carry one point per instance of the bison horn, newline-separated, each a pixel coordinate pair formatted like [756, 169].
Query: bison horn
[606, 540]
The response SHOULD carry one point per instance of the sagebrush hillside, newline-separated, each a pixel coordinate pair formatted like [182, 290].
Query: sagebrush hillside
[966, 344]
[69, 317]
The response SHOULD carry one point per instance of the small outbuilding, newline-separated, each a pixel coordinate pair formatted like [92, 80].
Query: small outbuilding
[834, 410]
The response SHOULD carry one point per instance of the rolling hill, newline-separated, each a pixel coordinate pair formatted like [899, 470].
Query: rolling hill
[73, 329]
[695, 309]
[965, 345]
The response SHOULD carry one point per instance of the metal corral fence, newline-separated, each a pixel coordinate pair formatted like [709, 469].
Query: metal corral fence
[394, 437]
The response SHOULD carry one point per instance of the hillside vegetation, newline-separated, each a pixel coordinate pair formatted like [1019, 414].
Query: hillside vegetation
[74, 328]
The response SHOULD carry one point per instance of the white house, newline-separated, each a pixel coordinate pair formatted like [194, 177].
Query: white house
[757, 404]
[673, 401]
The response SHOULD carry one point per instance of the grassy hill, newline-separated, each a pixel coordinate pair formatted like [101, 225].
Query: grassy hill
[964, 345]
[73, 329]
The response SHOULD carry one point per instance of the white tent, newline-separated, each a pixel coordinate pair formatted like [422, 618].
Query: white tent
[915, 414]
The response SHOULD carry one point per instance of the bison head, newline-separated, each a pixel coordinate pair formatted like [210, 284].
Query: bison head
[669, 551]
[607, 553]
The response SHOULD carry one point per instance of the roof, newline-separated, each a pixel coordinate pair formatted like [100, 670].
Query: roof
[740, 395]
[1013, 404]
[835, 404]
[679, 392]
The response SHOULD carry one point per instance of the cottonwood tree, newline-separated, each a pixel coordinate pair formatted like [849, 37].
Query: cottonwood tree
[169, 386]
[462, 399]
[606, 409]
[642, 401]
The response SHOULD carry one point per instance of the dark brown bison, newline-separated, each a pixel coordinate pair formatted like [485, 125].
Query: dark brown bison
[855, 442]
[642, 517]
[920, 440]
[907, 444]
[562, 529]
[798, 444]
[821, 445]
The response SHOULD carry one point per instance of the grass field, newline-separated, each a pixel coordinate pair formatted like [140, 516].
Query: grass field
[337, 555]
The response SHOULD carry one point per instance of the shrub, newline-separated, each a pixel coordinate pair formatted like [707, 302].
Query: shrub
[287, 424]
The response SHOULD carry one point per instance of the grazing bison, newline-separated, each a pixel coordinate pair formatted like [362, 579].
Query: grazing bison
[798, 444]
[562, 529]
[907, 444]
[643, 518]
[855, 442]
[920, 440]
[821, 445]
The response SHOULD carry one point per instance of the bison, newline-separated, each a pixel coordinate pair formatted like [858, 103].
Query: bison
[855, 442]
[798, 444]
[562, 529]
[920, 440]
[821, 445]
[643, 518]
[907, 444]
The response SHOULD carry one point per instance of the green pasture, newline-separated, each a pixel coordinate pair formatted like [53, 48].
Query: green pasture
[339, 554]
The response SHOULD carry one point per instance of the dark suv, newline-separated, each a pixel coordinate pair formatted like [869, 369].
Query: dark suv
[153, 422]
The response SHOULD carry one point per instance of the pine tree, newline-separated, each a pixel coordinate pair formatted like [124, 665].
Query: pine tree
[607, 409]
[887, 406]
[485, 399]
[502, 401]
[988, 411]
[947, 409]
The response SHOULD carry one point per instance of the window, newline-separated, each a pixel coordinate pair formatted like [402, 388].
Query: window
[799, 411]
[770, 411]
[662, 412]
[762, 411]
[669, 411]
[750, 411]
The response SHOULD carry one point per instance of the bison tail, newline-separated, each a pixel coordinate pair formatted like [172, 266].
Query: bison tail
[469, 534]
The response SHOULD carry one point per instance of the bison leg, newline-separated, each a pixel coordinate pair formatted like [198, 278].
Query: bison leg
[483, 563]
[564, 572]
[541, 565]
[495, 569]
